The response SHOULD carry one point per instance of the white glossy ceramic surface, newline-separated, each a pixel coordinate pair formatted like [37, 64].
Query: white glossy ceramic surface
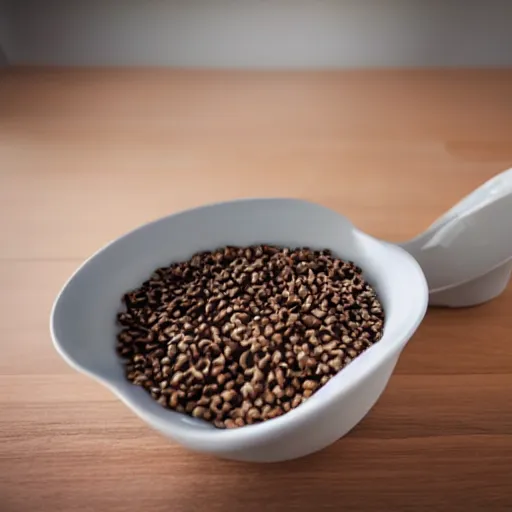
[466, 255]
[83, 319]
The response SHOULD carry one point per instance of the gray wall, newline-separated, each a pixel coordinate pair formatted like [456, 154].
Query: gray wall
[4, 28]
[3, 59]
[260, 33]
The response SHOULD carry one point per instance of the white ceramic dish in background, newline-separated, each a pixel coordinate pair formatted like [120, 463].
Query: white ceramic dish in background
[466, 254]
[84, 330]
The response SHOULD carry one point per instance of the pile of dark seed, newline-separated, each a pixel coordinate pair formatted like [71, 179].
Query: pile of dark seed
[242, 335]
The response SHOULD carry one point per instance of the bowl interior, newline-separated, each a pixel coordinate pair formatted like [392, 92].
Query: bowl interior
[83, 319]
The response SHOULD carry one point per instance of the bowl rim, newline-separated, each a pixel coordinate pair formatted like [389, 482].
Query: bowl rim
[233, 439]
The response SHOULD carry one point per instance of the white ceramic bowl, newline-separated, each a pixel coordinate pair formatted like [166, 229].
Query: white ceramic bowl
[84, 329]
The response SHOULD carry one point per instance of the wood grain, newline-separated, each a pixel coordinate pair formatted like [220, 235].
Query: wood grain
[87, 155]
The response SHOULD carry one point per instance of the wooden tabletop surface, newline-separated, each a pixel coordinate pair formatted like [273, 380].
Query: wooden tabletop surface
[88, 155]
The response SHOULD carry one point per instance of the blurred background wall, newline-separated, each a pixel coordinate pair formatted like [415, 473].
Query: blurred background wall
[4, 35]
[258, 33]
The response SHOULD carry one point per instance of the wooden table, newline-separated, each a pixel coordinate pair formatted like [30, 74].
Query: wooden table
[85, 156]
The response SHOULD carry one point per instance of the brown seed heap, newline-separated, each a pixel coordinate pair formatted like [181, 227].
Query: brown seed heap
[242, 335]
